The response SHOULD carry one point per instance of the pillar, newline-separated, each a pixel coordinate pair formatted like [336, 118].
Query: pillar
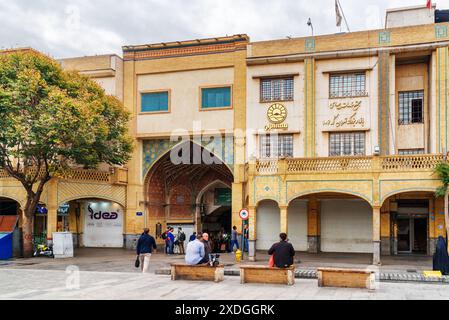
[376, 235]
[252, 233]
[385, 232]
[383, 102]
[431, 243]
[283, 210]
[52, 207]
[313, 226]
[442, 114]
[309, 106]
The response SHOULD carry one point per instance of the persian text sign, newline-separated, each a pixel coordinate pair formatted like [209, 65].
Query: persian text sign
[347, 115]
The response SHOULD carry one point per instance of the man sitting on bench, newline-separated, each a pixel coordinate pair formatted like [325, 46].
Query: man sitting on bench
[283, 252]
[195, 253]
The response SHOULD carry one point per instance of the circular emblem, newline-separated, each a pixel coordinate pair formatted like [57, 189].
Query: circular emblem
[244, 214]
[277, 113]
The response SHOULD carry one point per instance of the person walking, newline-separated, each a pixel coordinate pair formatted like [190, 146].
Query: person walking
[234, 238]
[283, 252]
[181, 238]
[246, 237]
[145, 246]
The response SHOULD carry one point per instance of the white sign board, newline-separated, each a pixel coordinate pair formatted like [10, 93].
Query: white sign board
[244, 214]
[103, 224]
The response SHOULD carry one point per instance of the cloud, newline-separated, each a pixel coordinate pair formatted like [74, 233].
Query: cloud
[84, 27]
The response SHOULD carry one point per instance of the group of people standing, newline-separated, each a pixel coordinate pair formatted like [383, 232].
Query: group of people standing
[172, 241]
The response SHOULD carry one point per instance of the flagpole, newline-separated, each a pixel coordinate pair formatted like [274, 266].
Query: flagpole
[344, 17]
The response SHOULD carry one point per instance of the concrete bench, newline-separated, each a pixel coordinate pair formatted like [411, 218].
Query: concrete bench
[182, 271]
[346, 278]
[265, 274]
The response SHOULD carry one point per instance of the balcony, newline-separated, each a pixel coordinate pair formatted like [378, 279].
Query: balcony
[117, 176]
[395, 163]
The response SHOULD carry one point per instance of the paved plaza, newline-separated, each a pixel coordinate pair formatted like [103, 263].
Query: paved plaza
[59, 284]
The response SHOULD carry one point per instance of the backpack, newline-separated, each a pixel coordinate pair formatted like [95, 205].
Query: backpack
[182, 236]
[164, 236]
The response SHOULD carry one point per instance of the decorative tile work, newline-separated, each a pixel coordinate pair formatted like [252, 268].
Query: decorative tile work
[154, 149]
[310, 44]
[441, 32]
[267, 188]
[384, 37]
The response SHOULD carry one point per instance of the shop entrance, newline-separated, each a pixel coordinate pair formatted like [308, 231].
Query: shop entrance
[412, 227]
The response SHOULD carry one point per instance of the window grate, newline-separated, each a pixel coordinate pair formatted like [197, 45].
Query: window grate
[411, 107]
[272, 146]
[276, 89]
[346, 144]
[347, 85]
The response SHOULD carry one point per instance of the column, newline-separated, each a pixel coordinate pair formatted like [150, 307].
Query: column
[376, 235]
[441, 111]
[313, 226]
[252, 233]
[283, 210]
[383, 102]
[385, 232]
[52, 207]
[309, 106]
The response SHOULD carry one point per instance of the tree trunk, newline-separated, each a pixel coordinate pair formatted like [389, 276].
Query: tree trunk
[446, 216]
[27, 232]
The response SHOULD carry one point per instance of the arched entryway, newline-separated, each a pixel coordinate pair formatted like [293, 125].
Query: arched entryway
[331, 222]
[411, 222]
[189, 187]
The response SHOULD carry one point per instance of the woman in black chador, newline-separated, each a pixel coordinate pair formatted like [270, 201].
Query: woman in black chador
[441, 257]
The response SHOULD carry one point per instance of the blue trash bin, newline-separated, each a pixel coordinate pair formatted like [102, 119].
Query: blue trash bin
[5, 246]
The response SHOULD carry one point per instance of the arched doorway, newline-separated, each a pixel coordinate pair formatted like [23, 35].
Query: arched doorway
[411, 223]
[194, 193]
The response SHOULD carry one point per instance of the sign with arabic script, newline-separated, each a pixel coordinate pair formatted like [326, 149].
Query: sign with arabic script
[346, 115]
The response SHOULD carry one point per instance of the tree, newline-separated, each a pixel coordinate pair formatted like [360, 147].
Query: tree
[52, 119]
[442, 171]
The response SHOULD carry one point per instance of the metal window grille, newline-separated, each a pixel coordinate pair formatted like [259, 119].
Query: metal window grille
[272, 146]
[347, 85]
[276, 89]
[346, 144]
[411, 107]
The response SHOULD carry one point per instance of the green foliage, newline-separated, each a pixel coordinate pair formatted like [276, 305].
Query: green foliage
[442, 171]
[51, 118]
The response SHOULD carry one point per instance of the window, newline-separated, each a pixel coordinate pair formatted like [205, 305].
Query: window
[216, 98]
[411, 107]
[347, 144]
[276, 146]
[276, 89]
[347, 85]
[410, 151]
[155, 101]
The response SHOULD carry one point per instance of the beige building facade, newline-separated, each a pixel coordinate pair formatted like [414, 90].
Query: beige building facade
[332, 139]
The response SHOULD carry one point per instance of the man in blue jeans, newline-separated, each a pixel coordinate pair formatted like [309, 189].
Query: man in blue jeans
[171, 240]
[234, 238]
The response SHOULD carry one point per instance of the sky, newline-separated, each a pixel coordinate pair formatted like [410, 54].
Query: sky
[73, 28]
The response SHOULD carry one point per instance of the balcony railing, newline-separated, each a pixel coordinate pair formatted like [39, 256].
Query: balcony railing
[114, 175]
[393, 163]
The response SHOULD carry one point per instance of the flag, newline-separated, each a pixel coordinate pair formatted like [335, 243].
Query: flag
[337, 12]
[429, 4]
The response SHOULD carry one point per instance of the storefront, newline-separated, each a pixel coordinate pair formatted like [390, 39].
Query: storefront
[103, 224]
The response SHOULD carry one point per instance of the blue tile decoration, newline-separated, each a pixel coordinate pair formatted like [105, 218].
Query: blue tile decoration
[384, 37]
[441, 31]
[310, 44]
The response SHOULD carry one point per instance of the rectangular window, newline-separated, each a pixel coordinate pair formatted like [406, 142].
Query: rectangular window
[411, 107]
[346, 144]
[347, 85]
[410, 151]
[216, 98]
[276, 90]
[276, 146]
[155, 101]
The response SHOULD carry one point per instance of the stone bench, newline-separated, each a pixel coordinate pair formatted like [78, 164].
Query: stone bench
[182, 271]
[267, 275]
[346, 278]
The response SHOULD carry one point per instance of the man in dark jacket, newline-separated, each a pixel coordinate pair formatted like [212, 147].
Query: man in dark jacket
[283, 252]
[145, 246]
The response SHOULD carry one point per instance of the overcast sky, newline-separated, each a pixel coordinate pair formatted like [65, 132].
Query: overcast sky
[87, 27]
